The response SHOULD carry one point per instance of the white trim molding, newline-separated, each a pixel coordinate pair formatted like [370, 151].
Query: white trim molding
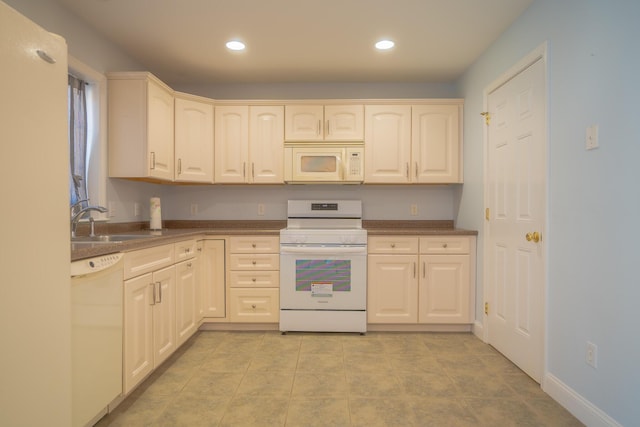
[581, 408]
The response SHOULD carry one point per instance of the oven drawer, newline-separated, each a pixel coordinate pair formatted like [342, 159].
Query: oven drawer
[254, 261]
[393, 245]
[254, 244]
[444, 245]
[254, 305]
[254, 279]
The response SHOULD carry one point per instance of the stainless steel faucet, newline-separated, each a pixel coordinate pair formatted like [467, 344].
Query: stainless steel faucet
[76, 217]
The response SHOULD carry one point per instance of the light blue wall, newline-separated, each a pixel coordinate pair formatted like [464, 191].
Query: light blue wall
[592, 235]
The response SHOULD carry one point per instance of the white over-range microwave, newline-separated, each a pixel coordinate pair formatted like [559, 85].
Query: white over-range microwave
[324, 163]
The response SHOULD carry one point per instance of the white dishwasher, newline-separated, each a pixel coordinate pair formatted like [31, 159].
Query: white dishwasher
[96, 336]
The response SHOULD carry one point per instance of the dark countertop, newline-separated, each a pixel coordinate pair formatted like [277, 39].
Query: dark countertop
[176, 231]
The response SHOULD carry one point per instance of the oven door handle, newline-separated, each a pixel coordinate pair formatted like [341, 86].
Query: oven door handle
[311, 250]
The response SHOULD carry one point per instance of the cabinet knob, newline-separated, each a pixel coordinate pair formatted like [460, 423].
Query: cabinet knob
[189, 265]
[444, 245]
[393, 245]
[253, 245]
[253, 280]
[253, 306]
[253, 262]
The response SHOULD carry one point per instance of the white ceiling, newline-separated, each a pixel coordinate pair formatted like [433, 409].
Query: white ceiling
[182, 41]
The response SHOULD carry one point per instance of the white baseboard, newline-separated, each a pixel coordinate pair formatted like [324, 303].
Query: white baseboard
[478, 331]
[581, 408]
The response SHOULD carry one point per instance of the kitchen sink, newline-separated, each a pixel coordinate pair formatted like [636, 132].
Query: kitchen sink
[109, 238]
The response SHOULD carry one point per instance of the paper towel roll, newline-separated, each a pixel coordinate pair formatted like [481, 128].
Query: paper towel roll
[156, 216]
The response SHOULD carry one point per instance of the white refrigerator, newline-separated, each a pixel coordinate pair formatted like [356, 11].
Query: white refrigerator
[35, 334]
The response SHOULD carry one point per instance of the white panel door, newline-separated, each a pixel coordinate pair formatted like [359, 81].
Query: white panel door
[516, 181]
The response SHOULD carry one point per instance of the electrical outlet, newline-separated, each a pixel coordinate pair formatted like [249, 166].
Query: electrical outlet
[414, 210]
[260, 209]
[194, 209]
[136, 209]
[591, 138]
[592, 355]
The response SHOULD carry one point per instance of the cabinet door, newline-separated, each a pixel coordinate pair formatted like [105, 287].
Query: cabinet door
[193, 141]
[266, 144]
[436, 144]
[213, 279]
[186, 311]
[231, 145]
[138, 330]
[444, 291]
[304, 122]
[344, 122]
[160, 131]
[387, 144]
[392, 289]
[164, 314]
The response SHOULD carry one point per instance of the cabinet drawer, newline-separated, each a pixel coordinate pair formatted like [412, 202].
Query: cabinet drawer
[254, 244]
[254, 305]
[148, 260]
[185, 250]
[392, 245]
[444, 245]
[254, 279]
[254, 262]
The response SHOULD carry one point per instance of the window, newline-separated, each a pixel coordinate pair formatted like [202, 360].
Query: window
[88, 163]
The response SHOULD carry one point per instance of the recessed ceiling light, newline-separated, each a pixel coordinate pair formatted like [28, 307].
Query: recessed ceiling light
[385, 45]
[235, 45]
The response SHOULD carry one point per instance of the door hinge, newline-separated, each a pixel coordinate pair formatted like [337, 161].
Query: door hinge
[486, 308]
[487, 117]
[487, 214]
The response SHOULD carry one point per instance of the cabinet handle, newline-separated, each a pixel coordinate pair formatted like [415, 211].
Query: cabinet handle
[159, 292]
[153, 300]
[424, 269]
[179, 166]
[253, 170]
[328, 127]
[407, 170]
[416, 170]
[319, 127]
[153, 160]
[414, 270]
[244, 169]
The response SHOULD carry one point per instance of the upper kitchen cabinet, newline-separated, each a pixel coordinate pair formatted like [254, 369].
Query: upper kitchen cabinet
[409, 144]
[324, 122]
[141, 127]
[436, 143]
[387, 144]
[249, 144]
[193, 139]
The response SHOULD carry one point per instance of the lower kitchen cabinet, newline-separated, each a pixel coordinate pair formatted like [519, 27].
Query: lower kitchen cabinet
[149, 323]
[212, 280]
[254, 279]
[187, 307]
[421, 280]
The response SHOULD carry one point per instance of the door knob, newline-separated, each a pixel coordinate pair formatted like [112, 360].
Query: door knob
[533, 237]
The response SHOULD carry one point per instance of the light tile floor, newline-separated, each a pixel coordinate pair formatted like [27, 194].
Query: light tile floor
[299, 379]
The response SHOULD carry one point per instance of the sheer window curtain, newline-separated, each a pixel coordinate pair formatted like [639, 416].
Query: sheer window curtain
[77, 139]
